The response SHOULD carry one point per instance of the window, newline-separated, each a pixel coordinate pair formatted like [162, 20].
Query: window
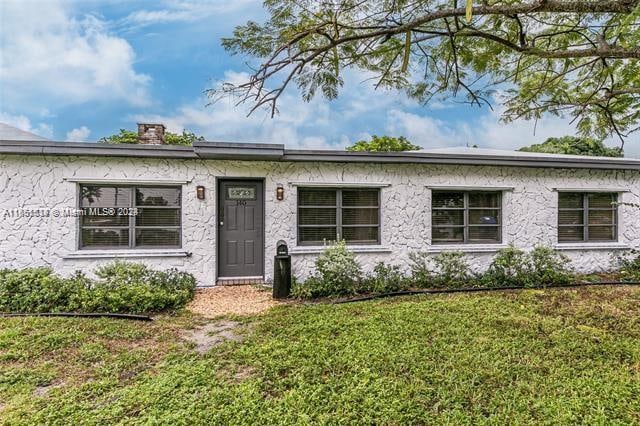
[584, 217]
[466, 217]
[329, 214]
[130, 217]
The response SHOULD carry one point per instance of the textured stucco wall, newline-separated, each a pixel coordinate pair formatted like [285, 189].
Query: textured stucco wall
[529, 214]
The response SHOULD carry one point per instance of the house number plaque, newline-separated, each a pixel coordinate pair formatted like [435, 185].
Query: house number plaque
[241, 193]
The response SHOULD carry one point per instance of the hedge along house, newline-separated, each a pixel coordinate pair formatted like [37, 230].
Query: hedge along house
[218, 209]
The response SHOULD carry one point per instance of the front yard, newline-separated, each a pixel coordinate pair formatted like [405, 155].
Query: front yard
[552, 356]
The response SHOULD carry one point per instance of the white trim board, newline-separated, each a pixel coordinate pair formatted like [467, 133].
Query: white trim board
[341, 184]
[117, 254]
[467, 248]
[90, 180]
[592, 246]
[591, 189]
[470, 188]
[356, 249]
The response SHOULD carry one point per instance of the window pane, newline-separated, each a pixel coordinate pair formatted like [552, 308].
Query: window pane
[105, 237]
[316, 197]
[484, 199]
[360, 234]
[602, 233]
[448, 200]
[448, 217]
[317, 216]
[484, 217]
[602, 201]
[157, 237]
[570, 200]
[484, 233]
[317, 235]
[158, 197]
[571, 217]
[602, 217]
[449, 234]
[96, 196]
[158, 217]
[359, 216]
[570, 233]
[360, 198]
[102, 219]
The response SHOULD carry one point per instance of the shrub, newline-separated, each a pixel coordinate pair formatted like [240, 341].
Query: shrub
[39, 290]
[384, 279]
[133, 287]
[452, 270]
[119, 272]
[312, 288]
[121, 288]
[629, 264]
[509, 268]
[419, 264]
[337, 274]
[548, 267]
[512, 267]
[338, 270]
[446, 269]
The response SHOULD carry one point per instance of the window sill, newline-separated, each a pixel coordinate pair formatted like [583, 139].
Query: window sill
[117, 254]
[467, 248]
[591, 246]
[355, 249]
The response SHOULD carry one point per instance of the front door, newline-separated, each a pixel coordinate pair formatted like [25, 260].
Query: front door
[240, 225]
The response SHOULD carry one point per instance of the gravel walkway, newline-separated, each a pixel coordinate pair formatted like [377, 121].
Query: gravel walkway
[224, 300]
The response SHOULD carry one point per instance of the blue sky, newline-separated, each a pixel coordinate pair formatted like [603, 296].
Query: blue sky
[80, 70]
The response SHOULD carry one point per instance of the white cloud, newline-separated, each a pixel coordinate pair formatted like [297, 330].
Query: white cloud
[51, 57]
[78, 135]
[184, 11]
[424, 130]
[316, 124]
[22, 122]
[486, 131]
[301, 126]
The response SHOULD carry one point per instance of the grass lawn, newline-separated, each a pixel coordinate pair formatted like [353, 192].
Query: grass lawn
[554, 356]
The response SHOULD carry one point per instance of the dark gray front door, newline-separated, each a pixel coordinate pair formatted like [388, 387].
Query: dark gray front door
[240, 224]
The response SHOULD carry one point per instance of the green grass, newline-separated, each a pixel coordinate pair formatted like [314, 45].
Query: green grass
[553, 357]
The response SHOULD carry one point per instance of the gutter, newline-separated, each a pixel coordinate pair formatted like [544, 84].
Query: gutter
[277, 152]
[95, 149]
[459, 159]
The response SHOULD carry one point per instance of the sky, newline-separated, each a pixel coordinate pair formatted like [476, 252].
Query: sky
[81, 70]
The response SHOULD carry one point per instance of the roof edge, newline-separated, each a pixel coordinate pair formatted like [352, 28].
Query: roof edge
[278, 152]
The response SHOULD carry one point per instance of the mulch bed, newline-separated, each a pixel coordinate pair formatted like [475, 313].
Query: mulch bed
[231, 300]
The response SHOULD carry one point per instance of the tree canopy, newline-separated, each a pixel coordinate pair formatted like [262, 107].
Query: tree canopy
[129, 136]
[574, 146]
[575, 58]
[384, 144]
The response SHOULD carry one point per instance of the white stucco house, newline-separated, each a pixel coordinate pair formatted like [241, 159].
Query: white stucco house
[218, 209]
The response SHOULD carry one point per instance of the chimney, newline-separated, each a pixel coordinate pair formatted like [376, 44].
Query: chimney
[151, 134]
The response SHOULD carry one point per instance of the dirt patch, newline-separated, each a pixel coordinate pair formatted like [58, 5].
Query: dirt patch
[41, 391]
[225, 300]
[212, 334]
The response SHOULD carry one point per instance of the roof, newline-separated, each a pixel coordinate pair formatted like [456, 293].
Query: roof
[8, 132]
[480, 152]
[278, 152]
